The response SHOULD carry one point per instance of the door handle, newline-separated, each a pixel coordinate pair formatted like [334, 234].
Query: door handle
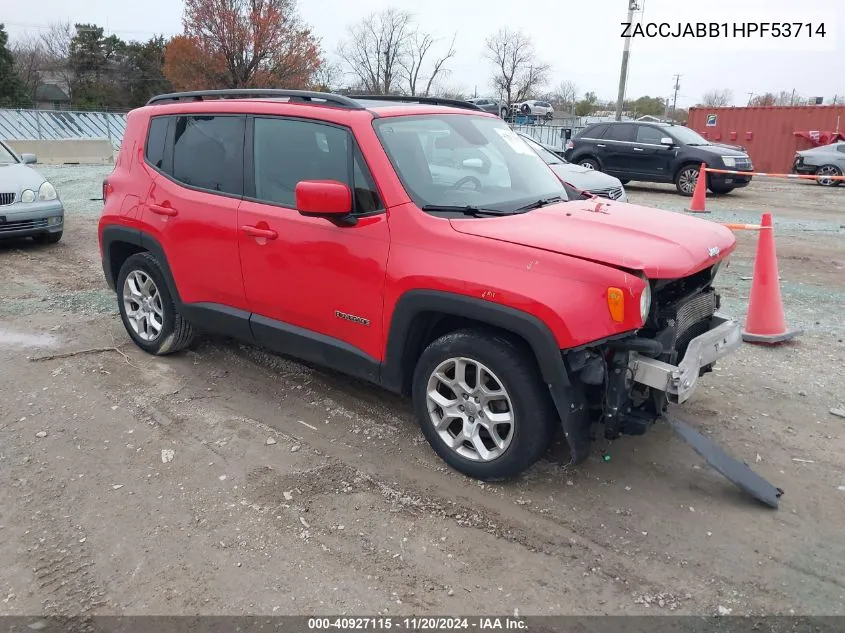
[160, 210]
[254, 231]
[600, 145]
[638, 149]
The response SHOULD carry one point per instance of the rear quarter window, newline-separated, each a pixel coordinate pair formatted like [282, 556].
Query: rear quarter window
[156, 138]
[594, 131]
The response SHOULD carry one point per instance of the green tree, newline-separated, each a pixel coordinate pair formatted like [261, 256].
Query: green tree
[587, 104]
[95, 60]
[142, 71]
[12, 90]
[653, 106]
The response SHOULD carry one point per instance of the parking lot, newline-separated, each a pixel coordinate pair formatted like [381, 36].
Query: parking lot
[228, 480]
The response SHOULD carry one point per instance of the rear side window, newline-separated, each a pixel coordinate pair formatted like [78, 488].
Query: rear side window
[623, 132]
[156, 137]
[648, 134]
[595, 131]
[208, 152]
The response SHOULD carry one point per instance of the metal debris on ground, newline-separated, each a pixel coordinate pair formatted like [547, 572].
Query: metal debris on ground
[41, 434]
[839, 413]
[295, 448]
[167, 455]
[270, 441]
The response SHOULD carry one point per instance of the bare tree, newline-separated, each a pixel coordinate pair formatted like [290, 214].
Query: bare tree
[717, 98]
[328, 76]
[56, 65]
[419, 45]
[376, 47]
[566, 95]
[28, 53]
[518, 71]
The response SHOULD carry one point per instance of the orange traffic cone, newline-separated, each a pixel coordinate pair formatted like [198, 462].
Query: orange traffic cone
[700, 193]
[766, 322]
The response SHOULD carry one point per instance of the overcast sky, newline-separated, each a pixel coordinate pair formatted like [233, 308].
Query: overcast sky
[580, 39]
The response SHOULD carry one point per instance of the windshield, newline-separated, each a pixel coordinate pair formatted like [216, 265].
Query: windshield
[6, 156]
[550, 158]
[687, 136]
[458, 160]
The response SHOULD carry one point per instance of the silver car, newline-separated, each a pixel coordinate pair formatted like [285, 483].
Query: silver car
[824, 162]
[29, 204]
[488, 104]
[582, 178]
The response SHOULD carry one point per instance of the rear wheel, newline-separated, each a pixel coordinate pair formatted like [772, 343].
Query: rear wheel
[482, 405]
[686, 178]
[824, 173]
[504, 113]
[147, 309]
[589, 163]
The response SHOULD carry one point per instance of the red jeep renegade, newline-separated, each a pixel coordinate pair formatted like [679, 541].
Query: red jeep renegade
[419, 244]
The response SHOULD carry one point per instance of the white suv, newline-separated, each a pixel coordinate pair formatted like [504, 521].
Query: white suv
[533, 107]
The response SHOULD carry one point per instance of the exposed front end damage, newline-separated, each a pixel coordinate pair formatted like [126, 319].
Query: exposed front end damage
[627, 382]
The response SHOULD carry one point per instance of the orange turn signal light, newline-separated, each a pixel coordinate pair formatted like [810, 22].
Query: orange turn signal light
[616, 304]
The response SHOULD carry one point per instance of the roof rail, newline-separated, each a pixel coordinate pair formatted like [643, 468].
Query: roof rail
[259, 93]
[455, 103]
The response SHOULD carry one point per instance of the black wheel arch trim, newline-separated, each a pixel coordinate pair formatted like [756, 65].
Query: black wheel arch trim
[112, 235]
[539, 337]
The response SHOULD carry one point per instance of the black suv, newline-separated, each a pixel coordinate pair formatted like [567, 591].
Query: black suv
[657, 152]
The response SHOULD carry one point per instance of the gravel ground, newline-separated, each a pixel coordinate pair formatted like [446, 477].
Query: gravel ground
[227, 480]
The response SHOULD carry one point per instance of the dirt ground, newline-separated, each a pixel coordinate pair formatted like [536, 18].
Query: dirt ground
[155, 490]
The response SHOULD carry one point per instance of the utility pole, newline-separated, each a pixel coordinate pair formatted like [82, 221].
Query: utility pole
[626, 50]
[677, 87]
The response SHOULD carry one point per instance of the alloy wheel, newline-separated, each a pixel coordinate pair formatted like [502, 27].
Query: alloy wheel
[587, 164]
[142, 304]
[824, 175]
[687, 179]
[470, 409]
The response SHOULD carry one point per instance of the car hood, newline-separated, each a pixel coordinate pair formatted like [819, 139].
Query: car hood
[662, 244]
[584, 178]
[16, 178]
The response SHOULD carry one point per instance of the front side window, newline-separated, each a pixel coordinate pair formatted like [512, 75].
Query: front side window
[459, 160]
[208, 152]
[288, 151]
[650, 135]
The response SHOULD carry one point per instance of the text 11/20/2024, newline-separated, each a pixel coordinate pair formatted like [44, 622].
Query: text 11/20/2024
[496, 623]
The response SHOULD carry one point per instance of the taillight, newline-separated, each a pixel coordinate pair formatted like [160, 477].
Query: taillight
[569, 144]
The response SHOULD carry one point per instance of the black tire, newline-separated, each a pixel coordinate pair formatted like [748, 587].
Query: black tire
[592, 163]
[682, 179]
[721, 191]
[525, 108]
[503, 113]
[624, 181]
[176, 332]
[47, 238]
[549, 116]
[535, 420]
[828, 170]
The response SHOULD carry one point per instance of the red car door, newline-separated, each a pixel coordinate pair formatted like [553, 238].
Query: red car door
[192, 208]
[309, 282]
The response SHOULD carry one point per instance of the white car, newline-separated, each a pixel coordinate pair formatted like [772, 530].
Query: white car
[533, 107]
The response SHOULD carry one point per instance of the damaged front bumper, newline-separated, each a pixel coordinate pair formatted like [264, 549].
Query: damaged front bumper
[679, 382]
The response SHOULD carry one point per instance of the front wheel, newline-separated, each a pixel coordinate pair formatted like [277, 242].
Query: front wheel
[589, 163]
[686, 179]
[824, 174]
[723, 190]
[482, 405]
[147, 309]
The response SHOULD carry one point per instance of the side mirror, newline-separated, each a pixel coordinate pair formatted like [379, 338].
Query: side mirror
[667, 141]
[29, 159]
[325, 198]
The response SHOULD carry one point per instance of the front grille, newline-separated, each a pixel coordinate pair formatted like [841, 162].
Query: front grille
[6, 198]
[614, 193]
[23, 225]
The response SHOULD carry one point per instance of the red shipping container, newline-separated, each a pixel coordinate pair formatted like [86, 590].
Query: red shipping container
[768, 132]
